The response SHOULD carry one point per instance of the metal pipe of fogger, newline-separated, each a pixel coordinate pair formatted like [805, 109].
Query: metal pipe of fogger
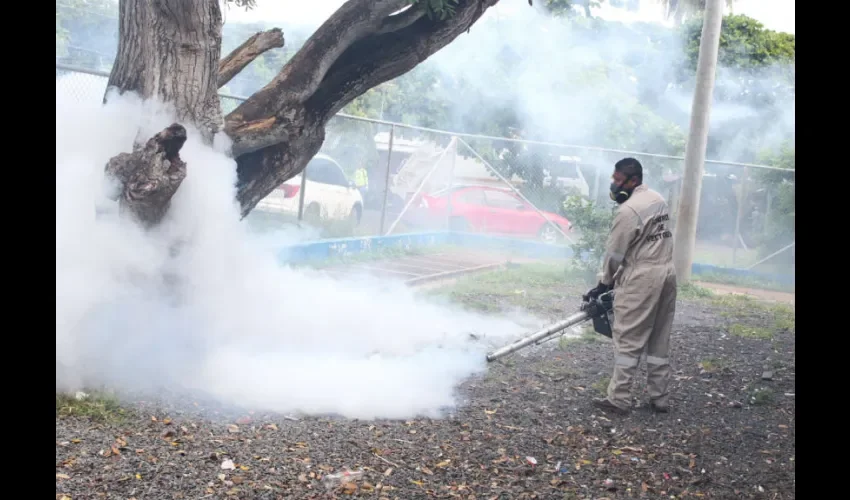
[540, 336]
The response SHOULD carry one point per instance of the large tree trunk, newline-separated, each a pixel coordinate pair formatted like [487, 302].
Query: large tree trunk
[170, 50]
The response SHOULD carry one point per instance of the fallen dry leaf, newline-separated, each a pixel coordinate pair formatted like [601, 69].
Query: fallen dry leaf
[63, 476]
[232, 428]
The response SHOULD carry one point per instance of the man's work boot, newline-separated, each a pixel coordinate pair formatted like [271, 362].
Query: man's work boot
[607, 405]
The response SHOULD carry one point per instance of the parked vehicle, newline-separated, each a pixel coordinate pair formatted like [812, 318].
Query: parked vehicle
[567, 175]
[491, 210]
[328, 194]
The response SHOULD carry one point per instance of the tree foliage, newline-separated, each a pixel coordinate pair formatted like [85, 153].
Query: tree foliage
[594, 221]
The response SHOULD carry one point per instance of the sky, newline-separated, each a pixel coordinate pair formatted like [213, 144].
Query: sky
[777, 15]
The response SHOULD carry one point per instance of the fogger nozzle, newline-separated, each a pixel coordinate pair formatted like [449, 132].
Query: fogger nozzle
[598, 310]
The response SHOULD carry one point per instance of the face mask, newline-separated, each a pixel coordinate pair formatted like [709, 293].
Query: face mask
[619, 193]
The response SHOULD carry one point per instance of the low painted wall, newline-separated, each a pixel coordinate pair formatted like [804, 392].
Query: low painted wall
[342, 247]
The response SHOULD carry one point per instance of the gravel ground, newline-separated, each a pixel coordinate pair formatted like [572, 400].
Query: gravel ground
[526, 430]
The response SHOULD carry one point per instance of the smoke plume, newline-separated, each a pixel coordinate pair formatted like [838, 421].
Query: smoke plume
[230, 322]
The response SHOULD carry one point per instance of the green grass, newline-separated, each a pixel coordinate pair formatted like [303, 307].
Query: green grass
[744, 281]
[96, 406]
[712, 365]
[601, 385]
[527, 286]
[691, 291]
[761, 396]
[751, 332]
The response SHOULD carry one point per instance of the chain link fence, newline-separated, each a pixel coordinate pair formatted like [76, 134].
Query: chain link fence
[377, 178]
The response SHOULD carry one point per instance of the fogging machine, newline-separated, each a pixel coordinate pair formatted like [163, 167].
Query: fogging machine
[600, 310]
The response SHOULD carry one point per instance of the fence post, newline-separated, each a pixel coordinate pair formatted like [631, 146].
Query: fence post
[451, 183]
[301, 193]
[387, 180]
[596, 178]
[742, 202]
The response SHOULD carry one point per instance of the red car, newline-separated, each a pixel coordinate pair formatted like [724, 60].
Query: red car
[490, 210]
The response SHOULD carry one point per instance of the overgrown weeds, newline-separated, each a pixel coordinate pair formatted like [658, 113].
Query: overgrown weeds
[96, 406]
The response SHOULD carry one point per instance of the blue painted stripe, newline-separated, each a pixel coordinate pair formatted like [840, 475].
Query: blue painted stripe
[341, 247]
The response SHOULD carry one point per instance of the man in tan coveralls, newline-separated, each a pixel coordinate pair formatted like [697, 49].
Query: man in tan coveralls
[639, 264]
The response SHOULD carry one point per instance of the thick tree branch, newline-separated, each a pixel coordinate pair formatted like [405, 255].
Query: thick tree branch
[402, 19]
[258, 122]
[243, 55]
[149, 176]
[283, 144]
[380, 58]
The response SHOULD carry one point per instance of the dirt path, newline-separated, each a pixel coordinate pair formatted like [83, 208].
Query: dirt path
[771, 295]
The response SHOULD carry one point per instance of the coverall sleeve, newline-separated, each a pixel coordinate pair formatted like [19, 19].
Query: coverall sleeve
[623, 231]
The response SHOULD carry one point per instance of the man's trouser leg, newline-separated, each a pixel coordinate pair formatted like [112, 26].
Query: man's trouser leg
[658, 348]
[634, 318]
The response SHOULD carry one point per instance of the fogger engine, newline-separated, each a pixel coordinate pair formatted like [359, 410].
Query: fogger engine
[600, 311]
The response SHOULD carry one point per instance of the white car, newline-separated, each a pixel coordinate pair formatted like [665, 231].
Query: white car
[327, 193]
[569, 176]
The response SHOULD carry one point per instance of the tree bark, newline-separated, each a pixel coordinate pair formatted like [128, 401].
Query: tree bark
[170, 50]
[244, 54]
[148, 177]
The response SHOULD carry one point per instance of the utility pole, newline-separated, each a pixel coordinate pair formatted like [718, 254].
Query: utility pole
[686, 221]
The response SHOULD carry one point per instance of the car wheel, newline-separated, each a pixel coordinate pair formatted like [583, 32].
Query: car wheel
[395, 202]
[313, 212]
[549, 234]
[355, 215]
[458, 224]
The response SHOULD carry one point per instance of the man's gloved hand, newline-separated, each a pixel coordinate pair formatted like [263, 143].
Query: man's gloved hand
[596, 291]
